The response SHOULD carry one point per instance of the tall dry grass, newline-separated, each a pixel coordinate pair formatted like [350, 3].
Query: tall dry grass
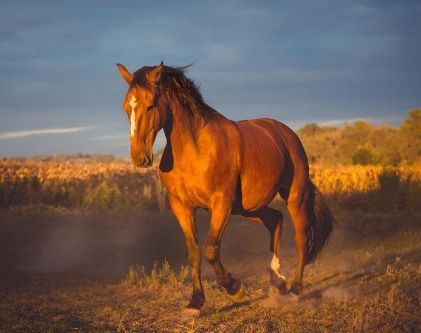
[119, 186]
[89, 186]
[358, 178]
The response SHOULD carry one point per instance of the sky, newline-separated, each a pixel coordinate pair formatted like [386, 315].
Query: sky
[299, 62]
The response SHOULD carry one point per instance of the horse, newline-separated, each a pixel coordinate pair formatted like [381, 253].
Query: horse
[226, 167]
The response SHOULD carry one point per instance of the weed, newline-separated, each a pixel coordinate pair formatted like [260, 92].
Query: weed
[161, 275]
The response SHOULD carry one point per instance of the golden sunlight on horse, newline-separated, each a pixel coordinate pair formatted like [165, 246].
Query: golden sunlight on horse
[227, 167]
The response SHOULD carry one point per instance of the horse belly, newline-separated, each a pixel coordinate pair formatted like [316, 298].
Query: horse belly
[263, 166]
[258, 187]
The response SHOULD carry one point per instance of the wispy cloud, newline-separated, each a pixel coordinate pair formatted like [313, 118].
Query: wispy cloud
[46, 131]
[338, 122]
[113, 136]
[222, 53]
[121, 138]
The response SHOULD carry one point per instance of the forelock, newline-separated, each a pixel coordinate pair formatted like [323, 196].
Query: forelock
[139, 77]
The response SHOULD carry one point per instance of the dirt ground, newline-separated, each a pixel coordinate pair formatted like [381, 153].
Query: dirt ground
[67, 273]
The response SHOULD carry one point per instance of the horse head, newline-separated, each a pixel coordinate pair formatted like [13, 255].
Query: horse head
[145, 110]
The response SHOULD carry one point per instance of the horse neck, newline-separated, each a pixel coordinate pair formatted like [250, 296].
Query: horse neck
[182, 128]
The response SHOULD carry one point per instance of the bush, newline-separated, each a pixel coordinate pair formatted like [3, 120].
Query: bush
[395, 191]
[104, 197]
[366, 154]
[389, 181]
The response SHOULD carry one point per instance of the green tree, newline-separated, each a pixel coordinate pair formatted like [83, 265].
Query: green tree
[102, 198]
[387, 141]
[411, 132]
[366, 154]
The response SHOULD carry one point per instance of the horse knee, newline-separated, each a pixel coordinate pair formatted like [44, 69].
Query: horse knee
[211, 252]
[193, 253]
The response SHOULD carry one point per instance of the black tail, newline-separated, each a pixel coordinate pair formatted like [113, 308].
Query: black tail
[320, 223]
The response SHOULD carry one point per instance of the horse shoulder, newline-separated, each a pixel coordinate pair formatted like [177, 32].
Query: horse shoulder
[206, 168]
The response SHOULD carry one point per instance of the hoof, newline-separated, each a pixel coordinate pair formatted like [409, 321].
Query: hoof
[296, 288]
[282, 287]
[275, 295]
[278, 282]
[239, 296]
[190, 314]
[292, 298]
[277, 300]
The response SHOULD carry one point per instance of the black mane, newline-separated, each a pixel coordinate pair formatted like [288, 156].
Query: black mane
[175, 85]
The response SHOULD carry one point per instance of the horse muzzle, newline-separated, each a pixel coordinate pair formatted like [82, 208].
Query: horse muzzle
[143, 161]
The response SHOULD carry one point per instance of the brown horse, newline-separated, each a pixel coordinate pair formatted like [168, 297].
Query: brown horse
[226, 167]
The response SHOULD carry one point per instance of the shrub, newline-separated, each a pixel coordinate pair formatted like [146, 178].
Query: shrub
[393, 190]
[366, 154]
[161, 275]
[103, 197]
[389, 181]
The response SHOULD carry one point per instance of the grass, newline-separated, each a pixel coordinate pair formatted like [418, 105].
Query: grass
[66, 266]
[363, 282]
[95, 186]
[161, 276]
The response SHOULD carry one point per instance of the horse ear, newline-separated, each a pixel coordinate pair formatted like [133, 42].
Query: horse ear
[127, 76]
[155, 75]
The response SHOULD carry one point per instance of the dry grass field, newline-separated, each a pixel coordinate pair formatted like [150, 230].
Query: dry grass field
[75, 268]
[91, 185]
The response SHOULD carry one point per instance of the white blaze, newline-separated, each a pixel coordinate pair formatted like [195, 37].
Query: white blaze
[276, 267]
[133, 104]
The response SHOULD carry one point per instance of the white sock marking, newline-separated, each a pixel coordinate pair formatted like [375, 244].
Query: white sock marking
[276, 266]
[133, 104]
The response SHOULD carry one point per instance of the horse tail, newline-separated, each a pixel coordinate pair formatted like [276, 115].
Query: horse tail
[320, 222]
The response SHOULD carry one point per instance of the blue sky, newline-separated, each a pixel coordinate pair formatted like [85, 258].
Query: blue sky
[296, 61]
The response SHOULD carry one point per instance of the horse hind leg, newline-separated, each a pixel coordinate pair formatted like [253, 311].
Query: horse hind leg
[272, 220]
[297, 208]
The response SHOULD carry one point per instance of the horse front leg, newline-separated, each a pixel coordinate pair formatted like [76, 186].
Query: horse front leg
[221, 211]
[186, 219]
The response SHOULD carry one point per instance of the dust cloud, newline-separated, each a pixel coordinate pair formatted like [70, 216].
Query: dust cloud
[106, 246]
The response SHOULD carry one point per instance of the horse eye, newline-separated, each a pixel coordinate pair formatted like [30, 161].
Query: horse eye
[150, 107]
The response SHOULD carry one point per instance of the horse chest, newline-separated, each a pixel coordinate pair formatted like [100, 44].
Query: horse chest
[189, 189]
[195, 176]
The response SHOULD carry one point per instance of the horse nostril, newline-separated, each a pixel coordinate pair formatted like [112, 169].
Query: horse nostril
[142, 160]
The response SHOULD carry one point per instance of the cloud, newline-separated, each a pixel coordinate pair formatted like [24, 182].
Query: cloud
[393, 119]
[337, 122]
[253, 59]
[113, 136]
[222, 53]
[47, 131]
[266, 81]
[361, 9]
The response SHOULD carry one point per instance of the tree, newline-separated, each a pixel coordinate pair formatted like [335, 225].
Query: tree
[366, 154]
[309, 129]
[411, 132]
[412, 124]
